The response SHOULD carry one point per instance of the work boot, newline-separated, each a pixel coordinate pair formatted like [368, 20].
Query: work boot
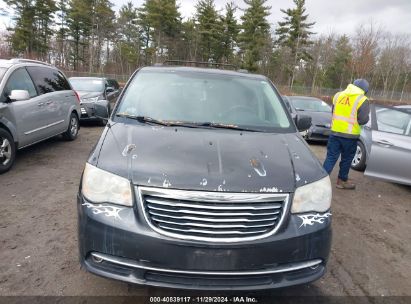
[347, 185]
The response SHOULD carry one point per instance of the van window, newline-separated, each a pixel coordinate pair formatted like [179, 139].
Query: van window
[19, 80]
[48, 80]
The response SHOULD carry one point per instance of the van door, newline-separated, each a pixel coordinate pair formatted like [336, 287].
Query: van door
[28, 114]
[390, 155]
[51, 84]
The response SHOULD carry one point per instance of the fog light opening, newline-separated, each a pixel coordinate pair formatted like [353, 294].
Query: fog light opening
[97, 260]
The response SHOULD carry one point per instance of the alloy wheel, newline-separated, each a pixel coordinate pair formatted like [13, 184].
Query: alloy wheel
[357, 157]
[5, 151]
[73, 126]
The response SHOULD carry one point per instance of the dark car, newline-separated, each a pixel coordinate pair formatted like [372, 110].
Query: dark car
[201, 180]
[319, 111]
[112, 83]
[406, 108]
[96, 97]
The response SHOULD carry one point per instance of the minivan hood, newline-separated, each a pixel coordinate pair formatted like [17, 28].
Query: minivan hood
[206, 159]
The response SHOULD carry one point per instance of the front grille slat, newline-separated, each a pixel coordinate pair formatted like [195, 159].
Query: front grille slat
[214, 220]
[158, 219]
[188, 211]
[204, 231]
[213, 216]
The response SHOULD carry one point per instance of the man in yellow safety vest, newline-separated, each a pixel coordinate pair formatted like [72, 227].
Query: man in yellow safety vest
[351, 110]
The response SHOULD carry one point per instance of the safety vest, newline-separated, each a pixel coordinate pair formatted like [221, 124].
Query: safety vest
[346, 105]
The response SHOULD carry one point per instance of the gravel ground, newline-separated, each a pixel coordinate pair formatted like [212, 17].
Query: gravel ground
[371, 252]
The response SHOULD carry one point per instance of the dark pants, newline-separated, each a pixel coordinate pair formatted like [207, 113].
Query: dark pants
[346, 147]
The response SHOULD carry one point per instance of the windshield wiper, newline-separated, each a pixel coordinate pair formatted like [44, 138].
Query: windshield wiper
[167, 123]
[143, 119]
[225, 126]
[170, 123]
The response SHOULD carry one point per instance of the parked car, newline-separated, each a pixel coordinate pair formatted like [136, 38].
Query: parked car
[319, 111]
[201, 180]
[36, 103]
[406, 108]
[384, 147]
[96, 97]
[115, 85]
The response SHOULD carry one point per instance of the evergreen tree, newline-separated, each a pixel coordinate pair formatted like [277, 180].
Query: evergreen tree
[189, 36]
[79, 20]
[294, 32]
[210, 29]
[255, 33]
[338, 72]
[44, 21]
[62, 29]
[230, 32]
[103, 30]
[128, 42]
[22, 37]
[33, 27]
[160, 21]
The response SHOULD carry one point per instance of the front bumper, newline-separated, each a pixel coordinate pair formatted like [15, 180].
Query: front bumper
[89, 112]
[117, 243]
[318, 133]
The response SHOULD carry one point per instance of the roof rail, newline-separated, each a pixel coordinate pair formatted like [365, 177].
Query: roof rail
[22, 60]
[199, 63]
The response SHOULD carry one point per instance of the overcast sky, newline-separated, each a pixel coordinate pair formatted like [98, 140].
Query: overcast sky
[339, 16]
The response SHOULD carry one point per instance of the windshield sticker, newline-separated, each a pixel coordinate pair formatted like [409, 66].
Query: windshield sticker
[311, 219]
[108, 211]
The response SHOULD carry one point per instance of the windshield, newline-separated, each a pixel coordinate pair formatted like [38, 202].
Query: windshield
[87, 84]
[2, 72]
[310, 104]
[205, 98]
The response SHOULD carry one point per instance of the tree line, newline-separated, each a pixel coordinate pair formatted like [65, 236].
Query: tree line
[90, 36]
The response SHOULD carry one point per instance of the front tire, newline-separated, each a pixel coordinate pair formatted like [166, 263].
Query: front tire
[7, 151]
[72, 131]
[358, 163]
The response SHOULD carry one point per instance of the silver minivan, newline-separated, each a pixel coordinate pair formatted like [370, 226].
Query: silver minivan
[36, 102]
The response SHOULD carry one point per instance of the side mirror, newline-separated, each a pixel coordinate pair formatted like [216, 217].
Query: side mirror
[303, 122]
[17, 95]
[109, 89]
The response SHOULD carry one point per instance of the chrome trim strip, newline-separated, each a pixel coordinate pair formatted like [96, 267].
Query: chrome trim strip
[187, 211]
[214, 197]
[214, 220]
[210, 225]
[203, 196]
[187, 205]
[279, 269]
[213, 232]
[44, 127]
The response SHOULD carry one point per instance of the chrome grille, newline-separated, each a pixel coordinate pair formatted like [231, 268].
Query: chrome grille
[212, 216]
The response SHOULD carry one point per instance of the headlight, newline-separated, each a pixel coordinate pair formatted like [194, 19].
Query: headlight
[92, 99]
[313, 197]
[100, 186]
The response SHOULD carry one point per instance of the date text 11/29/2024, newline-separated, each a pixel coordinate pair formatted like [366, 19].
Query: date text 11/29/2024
[203, 299]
